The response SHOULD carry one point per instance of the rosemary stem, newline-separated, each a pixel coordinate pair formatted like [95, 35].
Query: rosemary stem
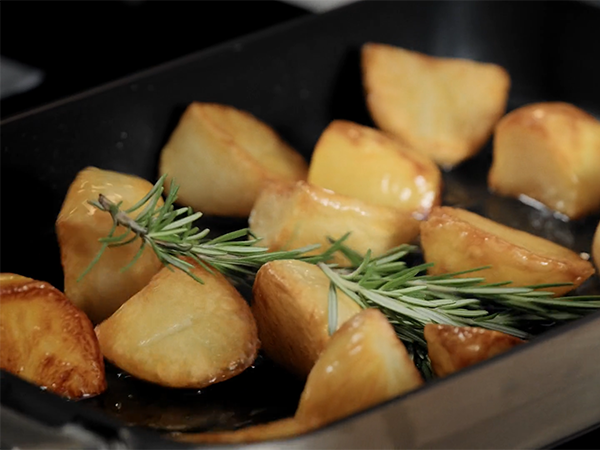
[121, 217]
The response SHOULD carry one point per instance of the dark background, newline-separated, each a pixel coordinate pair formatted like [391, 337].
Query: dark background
[82, 44]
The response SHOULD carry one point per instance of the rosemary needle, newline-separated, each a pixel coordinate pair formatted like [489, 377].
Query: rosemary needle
[406, 295]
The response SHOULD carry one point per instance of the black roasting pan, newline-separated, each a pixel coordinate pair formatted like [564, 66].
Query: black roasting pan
[298, 77]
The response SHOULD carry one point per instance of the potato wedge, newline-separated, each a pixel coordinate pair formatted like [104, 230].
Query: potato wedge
[596, 247]
[290, 305]
[453, 348]
[443, 107]
[221, 157]
[289, 216]
[363, 364]
[80, 225]
[279, 429]
[387, 173]
[455, 240]
[46, 340]
[549, 152]
[179, 333]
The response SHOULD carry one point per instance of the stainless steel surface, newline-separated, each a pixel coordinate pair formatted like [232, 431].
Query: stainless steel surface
[16, 77]
[19, 431]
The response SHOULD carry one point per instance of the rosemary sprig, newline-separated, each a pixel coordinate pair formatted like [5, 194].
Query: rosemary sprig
[411, 299]
[171, 234]
[406, 295]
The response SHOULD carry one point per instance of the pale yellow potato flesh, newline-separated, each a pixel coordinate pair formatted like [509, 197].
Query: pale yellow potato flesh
[364, 163]
[46, 340]
[79, 226]
[290, 216]
[364, 364]
[455, 240]
[443, 107]
[179, 333]
[290, 305]
[221, 158]
[279, 429]
[549, 152]
[453, 348]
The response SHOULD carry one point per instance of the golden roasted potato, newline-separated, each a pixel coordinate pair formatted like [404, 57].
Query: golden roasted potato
[221, 157]
[443, 107]
[179, 333]
[289, 216]
[80, 225]
[46, 340]
[453, 348]
[455, 240]
[364, 163]
[363, 364]
[549, 152]
[596, 247]
[279, 429]
[290, 305]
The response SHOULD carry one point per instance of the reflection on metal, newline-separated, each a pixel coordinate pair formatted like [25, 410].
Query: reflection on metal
[16, 78]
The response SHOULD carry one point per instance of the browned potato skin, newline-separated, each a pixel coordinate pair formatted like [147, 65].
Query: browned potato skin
[290, 216]
[389, 173]
[455, 240]
[290, 305]
[179, 333]
[444, 107]
[221, 158]
[46, 340]
[549, 152]
[596, 247]
[453, 348]
[78, 228]
[364, 364]
[279, 429]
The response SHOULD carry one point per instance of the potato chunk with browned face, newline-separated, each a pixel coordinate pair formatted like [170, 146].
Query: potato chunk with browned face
[80, 225]
[290, 304]
[364, 364]
[179, 333]
[46, 340]
[221, 158]
[290, 216]
[455, 240]
[596, 247]
[387, 173]
[453, 348]
[443, 107]
[549, 152]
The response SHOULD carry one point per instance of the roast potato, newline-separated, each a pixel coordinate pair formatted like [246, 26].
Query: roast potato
[453, 348]
[363, 163]
[549, 152]
[221, 157]
[443, 107]
[289, 216]
[46, 340]
[78, 228]
[596, 247]
[290, 304]
[455, 240]
[279, 429]
[179, 333]
[363, 364]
